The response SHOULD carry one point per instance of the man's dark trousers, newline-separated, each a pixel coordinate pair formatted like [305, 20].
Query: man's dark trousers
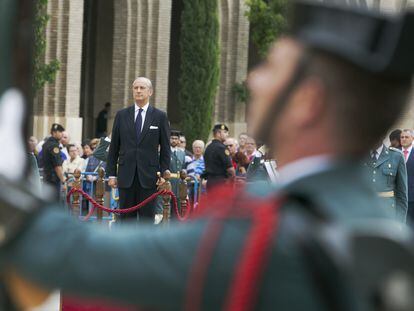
[129, 197]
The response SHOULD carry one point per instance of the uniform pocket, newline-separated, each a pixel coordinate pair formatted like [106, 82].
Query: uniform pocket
[390, 173]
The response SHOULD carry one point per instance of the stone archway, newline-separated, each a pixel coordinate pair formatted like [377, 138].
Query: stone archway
[234, 42]
[96, 61]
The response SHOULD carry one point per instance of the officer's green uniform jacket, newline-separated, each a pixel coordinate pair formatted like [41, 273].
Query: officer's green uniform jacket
[388, 175]
[149, 267]
[177, 163]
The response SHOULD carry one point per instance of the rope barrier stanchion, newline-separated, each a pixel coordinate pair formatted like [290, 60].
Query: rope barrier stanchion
[183, 193]
[77, 184]
[126, 210]
[100, 192]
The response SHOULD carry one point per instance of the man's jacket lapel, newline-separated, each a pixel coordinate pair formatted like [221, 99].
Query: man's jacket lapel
[131, 121]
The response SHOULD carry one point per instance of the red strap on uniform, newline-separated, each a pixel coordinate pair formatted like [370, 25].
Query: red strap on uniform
[255, 254]
[199, 269]
[245, 286]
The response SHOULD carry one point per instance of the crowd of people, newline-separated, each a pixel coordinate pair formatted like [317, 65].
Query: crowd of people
[80, 155]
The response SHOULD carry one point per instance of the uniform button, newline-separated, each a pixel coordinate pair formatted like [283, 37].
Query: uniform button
[375, 172]
[373, 180]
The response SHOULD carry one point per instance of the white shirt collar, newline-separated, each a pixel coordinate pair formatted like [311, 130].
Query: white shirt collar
[145, 108]
[408, 149]
[378, 150]
[303, 167]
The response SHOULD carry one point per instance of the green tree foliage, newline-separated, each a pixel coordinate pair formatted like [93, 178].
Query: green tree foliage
[199, 79]
[43, 73]
[267, 21]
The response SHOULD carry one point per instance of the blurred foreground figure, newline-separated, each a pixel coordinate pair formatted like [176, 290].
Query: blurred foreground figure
[261, 249]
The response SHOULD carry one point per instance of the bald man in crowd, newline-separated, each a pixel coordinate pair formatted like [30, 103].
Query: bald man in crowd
[133, 158]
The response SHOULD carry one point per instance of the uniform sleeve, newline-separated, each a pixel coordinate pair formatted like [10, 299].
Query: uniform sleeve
[401, 191]
[137, 266]
[55, 156]
[225, 158]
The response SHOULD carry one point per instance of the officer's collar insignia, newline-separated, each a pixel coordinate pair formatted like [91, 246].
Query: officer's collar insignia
[227, 152]
[56, 150]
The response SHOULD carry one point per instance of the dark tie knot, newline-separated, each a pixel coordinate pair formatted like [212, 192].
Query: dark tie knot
[140, 110]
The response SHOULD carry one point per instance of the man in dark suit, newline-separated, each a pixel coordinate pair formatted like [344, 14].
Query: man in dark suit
[407, 147]
[140, 146]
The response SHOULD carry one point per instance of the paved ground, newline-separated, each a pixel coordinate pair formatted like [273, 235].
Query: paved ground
[52, 304]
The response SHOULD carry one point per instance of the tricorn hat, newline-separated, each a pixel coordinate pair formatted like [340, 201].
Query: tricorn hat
[378, 43]
[176, 133]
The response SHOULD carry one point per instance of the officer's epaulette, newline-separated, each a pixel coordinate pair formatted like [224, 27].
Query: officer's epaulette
[395, 149]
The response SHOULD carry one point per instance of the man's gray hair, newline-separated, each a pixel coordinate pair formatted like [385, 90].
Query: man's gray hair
[146, 80]
[408, 131]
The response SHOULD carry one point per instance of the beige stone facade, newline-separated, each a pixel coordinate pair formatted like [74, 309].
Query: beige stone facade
[103, 45]
[59, 102]
[125, 39]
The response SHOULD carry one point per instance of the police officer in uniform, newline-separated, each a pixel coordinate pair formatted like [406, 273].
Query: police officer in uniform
[250, 250]
[219, 167]
[53, 172]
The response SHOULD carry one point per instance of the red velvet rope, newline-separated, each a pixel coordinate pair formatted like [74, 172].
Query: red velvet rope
[130, 209]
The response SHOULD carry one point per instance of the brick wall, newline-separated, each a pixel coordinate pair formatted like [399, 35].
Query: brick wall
[59, 101]
[234, 39]
[141, 48]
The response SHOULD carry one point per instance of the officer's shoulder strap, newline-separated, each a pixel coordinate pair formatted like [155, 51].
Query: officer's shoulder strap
[394, 149]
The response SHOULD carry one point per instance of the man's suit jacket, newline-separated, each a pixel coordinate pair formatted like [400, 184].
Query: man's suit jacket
[140, 154]
[410, 175]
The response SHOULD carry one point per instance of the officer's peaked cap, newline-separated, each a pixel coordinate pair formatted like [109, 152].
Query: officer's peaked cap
[220, 127]
[378, 43]
[57, 128]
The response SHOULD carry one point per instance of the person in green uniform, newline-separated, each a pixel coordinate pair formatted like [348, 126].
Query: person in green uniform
[248, 250]
[52, 160]
[177, 162]
[388, 174]
[219, 167]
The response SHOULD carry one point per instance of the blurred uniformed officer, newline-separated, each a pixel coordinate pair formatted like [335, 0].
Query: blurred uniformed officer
[254, 250]
[52, 160]
[219, 167]
[388, 174]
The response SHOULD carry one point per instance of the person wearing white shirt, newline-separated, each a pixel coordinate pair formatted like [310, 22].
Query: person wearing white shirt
[140, 147]
[74, 161]
[407, 148]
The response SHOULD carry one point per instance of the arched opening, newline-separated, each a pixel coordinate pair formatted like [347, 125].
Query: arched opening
[174, 109]
[96, 62]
